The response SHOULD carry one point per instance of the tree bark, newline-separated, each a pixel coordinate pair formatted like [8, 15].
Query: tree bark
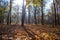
[54, 12]
[42, 16]
[29, 14]
[9, 14]
[23, 14]
[35, 20]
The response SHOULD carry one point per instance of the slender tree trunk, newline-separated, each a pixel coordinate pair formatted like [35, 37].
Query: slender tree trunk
[10, 9]
[35, 20]
[23, 14]
[1, 17]
[42, 20]
[42, 16]
[8, 18]
[9, 14]
[57, 15]
[23, 17]
[58, 19]
[29, 14]
[54, 11]
[38, 18]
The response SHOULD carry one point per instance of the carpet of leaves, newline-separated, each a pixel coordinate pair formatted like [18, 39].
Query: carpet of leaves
[29, 32]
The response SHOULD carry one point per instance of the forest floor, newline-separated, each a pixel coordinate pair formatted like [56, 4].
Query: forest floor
[29, 32]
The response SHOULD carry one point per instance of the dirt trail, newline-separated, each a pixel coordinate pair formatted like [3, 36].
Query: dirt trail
[28, 32]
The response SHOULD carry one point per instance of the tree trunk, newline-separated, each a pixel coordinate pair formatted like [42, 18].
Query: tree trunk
[38, 18]
[29, 14]
[35, 20]
[23, 14]
[8, 18]
[42, 16]
[54, 11]
[57, 15]
[1, 17]
[10, 9]
[9, 14]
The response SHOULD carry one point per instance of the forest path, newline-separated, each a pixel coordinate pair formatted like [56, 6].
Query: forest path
[29, 32]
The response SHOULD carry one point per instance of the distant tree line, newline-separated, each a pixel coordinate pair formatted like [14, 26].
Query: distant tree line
[35, 14]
